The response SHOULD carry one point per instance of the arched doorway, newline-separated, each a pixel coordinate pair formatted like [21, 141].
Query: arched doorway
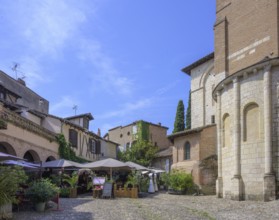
[31, 156]
[50, 158]
[7, 148]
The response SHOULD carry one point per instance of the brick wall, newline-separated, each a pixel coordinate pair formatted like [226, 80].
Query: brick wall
[245, 32]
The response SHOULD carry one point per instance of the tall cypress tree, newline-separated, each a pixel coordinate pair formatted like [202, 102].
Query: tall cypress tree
[188, 114]
[179, 124]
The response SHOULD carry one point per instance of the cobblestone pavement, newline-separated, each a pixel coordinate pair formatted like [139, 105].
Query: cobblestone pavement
[156, 207]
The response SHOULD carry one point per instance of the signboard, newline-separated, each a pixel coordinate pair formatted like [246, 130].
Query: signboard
[99, 180]
[107, 190]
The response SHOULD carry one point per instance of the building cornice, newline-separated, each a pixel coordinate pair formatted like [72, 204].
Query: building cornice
[266, 62]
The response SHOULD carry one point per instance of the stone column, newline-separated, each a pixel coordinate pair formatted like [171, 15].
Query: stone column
[236, 180]
[269, 177]
[219, 181]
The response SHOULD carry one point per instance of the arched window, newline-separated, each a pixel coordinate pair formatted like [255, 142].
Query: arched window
[187, 151]
[226, 131]
[251, 122]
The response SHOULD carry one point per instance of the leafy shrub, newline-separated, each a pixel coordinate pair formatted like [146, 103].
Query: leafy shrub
[144, 184]
[10, 179]
[65, 192]
[71, 180]
[181, 181]
[177, 180]
[42, 191]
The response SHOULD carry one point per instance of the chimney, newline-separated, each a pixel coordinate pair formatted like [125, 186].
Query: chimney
[99, 132]
[159, 124]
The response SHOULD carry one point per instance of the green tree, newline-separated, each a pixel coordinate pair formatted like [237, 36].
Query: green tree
[141, 152]
[188, 114]
[179, 124]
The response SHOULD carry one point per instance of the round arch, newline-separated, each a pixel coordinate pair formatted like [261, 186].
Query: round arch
[50, 158]
[31, 156]
[205, 75]
[7, 148]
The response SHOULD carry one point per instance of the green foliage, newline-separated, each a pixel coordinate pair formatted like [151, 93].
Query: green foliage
[178, 180]
[71, 180]
[64, 192]
[55, 179]
[133, 179]
[10, 179]
[143, 131]
[141, 152]
[179, 123]
[188, 114]
[42, 191]
[66, 152]
[165, 179]
[143, 184]
[3, 124]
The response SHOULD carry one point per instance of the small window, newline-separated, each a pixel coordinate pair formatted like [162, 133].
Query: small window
[128, 145]
[187, 151]
[73, 136]
[212, 119]
[155, 144]
[128, 133]
[121, 135]
[92, 146]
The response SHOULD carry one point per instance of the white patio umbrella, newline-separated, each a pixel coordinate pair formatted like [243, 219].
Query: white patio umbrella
[136, 166]
[21, 163]
[108, 163]
[61, 163]
[4, 156]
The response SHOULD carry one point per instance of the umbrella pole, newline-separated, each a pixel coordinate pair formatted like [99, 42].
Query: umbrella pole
[110, 174]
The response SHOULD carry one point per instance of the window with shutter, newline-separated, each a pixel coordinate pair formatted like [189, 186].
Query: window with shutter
[98, 147]
[73, 136]
[92, 146]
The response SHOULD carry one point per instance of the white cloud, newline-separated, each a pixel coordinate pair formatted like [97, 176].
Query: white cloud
[127, 108]
[107, 77]
[49, 24]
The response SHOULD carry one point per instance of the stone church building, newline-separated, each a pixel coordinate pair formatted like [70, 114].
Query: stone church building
[237, 89]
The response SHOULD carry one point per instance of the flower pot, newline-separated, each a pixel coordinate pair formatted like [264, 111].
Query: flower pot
[73, 193]
[6, 211]
[40, 206]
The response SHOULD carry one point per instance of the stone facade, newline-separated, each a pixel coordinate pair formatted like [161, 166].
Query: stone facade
[26, 139]
[126, 135]
[247, 98]
[31, 132]
[163, 159]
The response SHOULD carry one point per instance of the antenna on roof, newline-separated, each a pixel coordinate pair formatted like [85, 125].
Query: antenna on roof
[15, 68]
[75, 107]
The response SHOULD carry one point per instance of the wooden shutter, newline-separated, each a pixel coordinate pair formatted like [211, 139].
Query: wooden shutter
[98, 147]
[73, 138]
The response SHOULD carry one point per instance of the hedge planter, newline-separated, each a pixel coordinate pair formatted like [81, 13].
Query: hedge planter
[73, 193]
[176, 192]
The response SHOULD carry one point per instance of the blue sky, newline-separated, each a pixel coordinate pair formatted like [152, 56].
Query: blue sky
[120, 60]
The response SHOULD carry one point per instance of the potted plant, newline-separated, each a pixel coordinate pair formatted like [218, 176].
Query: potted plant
[41, 192]
[132, 183]
[9, 185]
[72, 181]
